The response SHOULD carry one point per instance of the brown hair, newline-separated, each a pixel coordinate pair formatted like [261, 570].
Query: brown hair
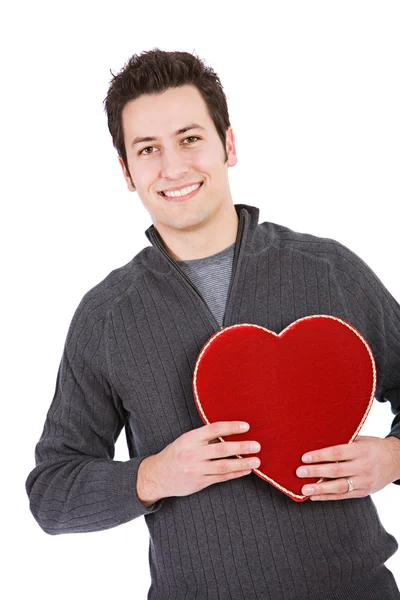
[153, 72]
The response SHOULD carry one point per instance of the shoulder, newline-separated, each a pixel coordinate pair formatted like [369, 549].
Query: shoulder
[338, 256]
[283, 237]
[357, 282]
[97, 303]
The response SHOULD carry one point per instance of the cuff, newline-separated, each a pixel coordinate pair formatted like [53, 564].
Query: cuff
[124, 494]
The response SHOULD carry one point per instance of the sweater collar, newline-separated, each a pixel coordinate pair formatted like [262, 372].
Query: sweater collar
[156, 260]
[249, 213]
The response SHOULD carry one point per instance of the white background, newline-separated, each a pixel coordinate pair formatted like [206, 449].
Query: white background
[313, 92]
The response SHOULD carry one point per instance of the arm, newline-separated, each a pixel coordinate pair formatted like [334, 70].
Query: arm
[371, 463]
[377, 314]
[76, 485]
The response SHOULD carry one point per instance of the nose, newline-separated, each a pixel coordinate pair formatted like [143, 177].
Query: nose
[173, 165]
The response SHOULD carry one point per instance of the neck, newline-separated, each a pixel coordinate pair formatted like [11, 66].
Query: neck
[211, 238]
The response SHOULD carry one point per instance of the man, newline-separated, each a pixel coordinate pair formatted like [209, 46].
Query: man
[216, 529]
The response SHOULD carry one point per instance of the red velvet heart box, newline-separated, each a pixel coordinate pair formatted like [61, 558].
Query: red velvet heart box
[309, 387]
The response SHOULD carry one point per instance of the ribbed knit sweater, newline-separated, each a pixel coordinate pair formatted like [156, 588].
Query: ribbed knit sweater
[212, 275]
[128, 363]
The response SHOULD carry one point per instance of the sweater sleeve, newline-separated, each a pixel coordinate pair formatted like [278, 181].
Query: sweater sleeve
[377, 315]
[76, 485]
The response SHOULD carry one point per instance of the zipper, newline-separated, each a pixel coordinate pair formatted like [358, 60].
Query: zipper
[158, 243]
[235, 263]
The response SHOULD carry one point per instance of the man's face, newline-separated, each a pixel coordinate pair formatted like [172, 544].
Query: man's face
[172, 159]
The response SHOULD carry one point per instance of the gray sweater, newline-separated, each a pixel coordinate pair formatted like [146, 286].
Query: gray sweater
[128, 362]
[211, 276]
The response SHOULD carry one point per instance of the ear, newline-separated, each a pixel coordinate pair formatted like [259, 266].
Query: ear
[230, 147]
[127, 177]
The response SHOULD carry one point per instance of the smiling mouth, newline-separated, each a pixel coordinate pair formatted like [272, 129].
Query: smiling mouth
[177, 195]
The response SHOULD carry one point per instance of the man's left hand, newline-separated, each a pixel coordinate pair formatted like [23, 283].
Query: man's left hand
[370, 463]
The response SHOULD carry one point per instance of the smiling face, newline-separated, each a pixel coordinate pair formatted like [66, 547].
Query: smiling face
[181, 148]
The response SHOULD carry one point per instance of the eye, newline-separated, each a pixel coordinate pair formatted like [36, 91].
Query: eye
[146, 153]
[190, 137]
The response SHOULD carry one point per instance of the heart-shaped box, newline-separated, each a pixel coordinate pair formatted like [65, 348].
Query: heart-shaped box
[309, 387]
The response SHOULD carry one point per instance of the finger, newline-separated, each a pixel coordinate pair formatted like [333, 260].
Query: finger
[329, 470]
[333, 453]
[223, 467]
[335, 487]
[220, 429]
[224, 449]
[210, 479]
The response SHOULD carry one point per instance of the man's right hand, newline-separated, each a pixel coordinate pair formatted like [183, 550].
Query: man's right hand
[187, 465]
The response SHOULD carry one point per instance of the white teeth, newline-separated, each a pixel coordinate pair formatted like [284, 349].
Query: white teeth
[183, 192]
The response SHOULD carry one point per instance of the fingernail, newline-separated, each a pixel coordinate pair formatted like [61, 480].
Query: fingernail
[254, 462]
[255, 447]
[244, 426]
[307, 458]
[308, 490]
[302, 472]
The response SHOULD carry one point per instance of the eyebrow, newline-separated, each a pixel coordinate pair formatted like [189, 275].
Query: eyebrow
[149, 138]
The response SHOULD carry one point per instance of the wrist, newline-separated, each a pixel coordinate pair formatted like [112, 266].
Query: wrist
[146, 484]
[394, 445]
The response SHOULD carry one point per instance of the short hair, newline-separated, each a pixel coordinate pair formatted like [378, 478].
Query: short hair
[153, 72]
